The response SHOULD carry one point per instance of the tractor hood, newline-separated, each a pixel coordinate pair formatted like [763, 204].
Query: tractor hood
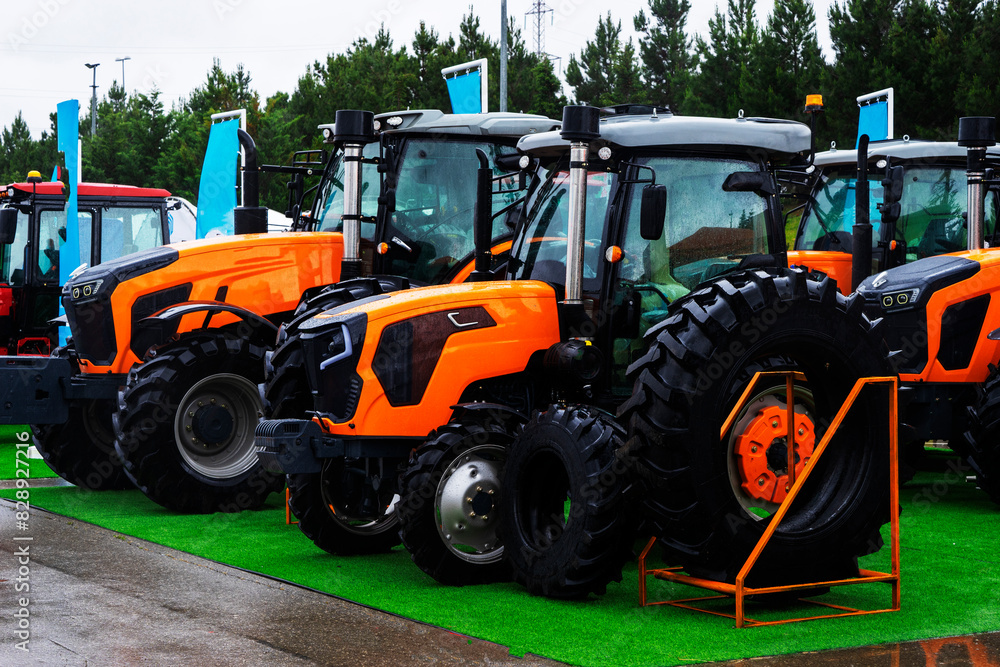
[400, 361]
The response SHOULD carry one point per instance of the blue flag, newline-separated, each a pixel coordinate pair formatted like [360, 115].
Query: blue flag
[465, 93]
[874, 121]
[67, 138]
[217, 188]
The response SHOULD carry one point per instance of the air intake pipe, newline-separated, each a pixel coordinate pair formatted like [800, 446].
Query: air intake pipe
[977, 133]
[251, 218]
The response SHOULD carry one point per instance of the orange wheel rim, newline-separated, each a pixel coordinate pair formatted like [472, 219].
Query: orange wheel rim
[762, 453]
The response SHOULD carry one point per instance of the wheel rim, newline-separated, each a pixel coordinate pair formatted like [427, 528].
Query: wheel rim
[331, 490]
[466, 504]
[214, 426]
[758, 449]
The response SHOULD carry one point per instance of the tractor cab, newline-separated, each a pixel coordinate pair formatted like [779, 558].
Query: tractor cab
[114, 220]
[417, 165]
[931, 213]
[669, 203]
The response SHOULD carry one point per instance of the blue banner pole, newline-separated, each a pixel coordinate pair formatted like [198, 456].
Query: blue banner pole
[68, 142]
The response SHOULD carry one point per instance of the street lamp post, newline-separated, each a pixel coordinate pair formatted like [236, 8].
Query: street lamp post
[122, 61]
[93, 99]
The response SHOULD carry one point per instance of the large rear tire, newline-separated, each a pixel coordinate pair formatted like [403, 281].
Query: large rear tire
[81, 450]
[710, 499]
[567, 519]
[342, 511]
[983, 436]
[449, 504]
[185, 426]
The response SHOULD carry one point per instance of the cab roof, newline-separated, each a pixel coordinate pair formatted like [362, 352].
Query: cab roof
[103, 190]
[780, 139]
[493, 124]
[901, 149]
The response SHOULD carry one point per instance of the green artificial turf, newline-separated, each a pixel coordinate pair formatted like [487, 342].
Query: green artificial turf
[9, 457]
[950, 575]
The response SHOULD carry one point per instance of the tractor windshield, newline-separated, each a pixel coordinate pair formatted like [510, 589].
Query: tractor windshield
[932, 212]
[12, 256]
[328, 209]
[128, 229]
[541, 252]
[707, 231]
[430, 231]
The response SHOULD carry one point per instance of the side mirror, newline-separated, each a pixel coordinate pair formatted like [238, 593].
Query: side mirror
[892, 192]
[652, 211]
[8, 225]
[750, 181]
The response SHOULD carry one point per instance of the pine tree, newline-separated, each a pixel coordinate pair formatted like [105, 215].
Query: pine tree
[607, 72]
[667, 52]
[790, 64]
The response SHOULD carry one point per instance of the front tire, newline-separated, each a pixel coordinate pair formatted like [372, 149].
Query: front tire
[449, 505]
[983, 436]
[81, 450]
[567, 520]
[343, 511]
[707, 512]
[185, 426]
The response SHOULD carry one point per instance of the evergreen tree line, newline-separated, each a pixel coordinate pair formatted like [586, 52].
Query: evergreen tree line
[939, 55]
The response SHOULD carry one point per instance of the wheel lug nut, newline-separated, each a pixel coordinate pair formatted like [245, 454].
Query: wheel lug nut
[753, 449]
[485, 518]
[479, 489]
[802, 431]
[774, 424]
[213, 401]
[468, 500]
[472, 514]
[490, 492]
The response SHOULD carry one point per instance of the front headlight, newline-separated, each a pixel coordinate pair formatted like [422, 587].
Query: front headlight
[86, 290]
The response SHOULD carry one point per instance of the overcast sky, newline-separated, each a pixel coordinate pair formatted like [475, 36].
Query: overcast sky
[46, 43]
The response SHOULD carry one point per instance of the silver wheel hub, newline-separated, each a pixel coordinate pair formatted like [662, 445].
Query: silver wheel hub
[214, 426]
[467, 503]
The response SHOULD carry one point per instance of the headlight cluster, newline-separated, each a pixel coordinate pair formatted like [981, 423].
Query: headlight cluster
[900, 299]
[86, 290]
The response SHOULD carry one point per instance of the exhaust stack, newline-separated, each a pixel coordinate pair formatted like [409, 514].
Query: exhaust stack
[351, 131]
[977, 133]
[580, 126]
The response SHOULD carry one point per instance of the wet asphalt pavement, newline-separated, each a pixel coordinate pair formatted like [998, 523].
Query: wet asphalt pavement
[100, 598]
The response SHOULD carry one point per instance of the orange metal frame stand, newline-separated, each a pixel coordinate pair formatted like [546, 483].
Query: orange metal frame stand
[739, 591]
[288, 509]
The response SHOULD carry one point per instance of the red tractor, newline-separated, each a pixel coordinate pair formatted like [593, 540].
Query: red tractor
[115, 220]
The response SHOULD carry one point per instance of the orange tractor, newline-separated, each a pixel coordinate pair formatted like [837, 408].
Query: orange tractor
[160, 388]
[645, 225]
[925, 183]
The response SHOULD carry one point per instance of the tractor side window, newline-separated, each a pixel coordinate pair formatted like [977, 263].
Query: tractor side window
[707, 232]
[128, 229]
[328, 210]
[52, 236]
[829, 222]
[435, 207]
[541, 254]
[12, 256]
[932, 218]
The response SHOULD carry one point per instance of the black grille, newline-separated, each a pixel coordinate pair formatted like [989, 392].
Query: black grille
[961, 326]
[92, 324]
